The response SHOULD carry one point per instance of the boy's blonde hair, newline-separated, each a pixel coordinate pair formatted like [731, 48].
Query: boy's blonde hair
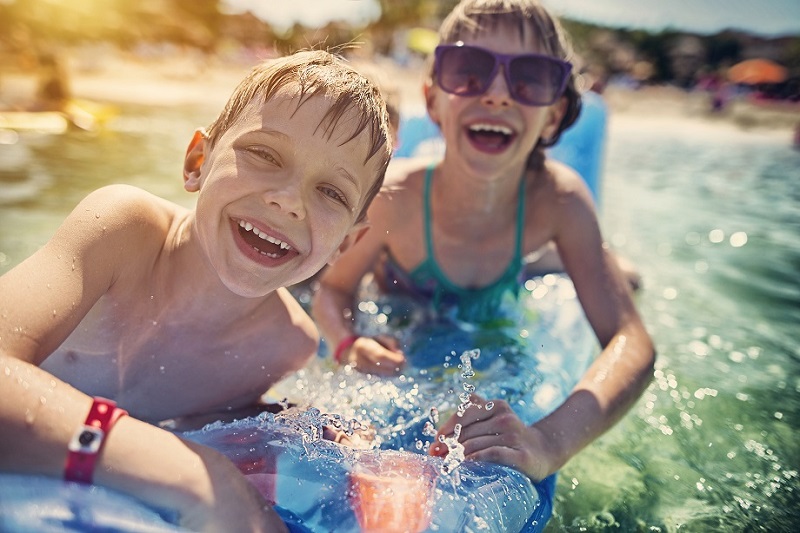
[321, 73]
[525, 17]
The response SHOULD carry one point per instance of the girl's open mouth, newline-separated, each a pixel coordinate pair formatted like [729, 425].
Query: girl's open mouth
[490, 137]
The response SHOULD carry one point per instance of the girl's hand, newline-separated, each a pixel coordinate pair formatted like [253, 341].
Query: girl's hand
[376, 355]
[497, 435]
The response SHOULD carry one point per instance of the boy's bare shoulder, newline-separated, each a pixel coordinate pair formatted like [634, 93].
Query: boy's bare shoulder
[123, 211]
[123, 203]
[299, 335]
[115, 223]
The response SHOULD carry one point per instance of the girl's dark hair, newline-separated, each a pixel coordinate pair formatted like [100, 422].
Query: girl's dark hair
[527, 18]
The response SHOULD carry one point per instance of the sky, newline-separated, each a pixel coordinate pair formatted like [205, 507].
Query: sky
[763, 17]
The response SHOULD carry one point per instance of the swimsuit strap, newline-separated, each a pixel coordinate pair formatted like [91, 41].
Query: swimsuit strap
[516, 260]
[426, 217]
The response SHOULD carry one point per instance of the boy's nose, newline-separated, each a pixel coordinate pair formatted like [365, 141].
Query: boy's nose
[498, 93]
[287, 198]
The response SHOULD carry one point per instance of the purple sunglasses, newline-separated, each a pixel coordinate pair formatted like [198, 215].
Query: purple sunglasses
[532, 79]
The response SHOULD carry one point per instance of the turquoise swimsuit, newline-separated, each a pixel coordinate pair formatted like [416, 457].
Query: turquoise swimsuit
[427, 280]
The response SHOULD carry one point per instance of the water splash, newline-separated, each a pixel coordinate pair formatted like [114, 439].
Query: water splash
[455, 456]
[467, 373]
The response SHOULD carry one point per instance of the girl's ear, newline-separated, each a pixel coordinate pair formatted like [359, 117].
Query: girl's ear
[555, 115]
[429, 91]
[193, 161]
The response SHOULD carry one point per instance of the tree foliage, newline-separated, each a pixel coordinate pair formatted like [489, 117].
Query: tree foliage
[33, 24]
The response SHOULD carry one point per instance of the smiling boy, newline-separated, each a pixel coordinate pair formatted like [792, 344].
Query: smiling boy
[177, 313]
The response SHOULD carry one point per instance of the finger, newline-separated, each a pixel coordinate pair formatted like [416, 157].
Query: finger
[378, 367]
[388, 342]
[476, 420]
[394, 360]
[386, 362]
[489, 449]
[371, 357]
[332, 434]
[484, 441]
[467, 432]
[437, 449]
[475, 412]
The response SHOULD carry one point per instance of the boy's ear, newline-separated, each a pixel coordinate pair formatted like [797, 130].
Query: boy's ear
[353, 236]
[195, 155]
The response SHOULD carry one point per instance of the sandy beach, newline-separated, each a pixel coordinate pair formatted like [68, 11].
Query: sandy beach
[190, 80]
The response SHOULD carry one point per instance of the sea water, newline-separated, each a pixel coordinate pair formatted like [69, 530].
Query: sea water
[710, 214]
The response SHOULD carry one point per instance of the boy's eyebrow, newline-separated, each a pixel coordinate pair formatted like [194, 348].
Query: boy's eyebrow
[269, 131]
[349, 177]
[277, 133]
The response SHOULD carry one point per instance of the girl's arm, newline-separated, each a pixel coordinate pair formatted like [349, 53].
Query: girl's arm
[333, 302]
[604, 393]
[624, 367]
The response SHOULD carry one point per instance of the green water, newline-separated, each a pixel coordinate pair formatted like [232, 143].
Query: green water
[712, 220]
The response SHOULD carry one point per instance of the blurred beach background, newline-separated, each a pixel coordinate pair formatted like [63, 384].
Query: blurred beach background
[700, 191]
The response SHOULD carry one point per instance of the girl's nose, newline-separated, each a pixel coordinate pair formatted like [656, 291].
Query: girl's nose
[498, 93]
[287, 198]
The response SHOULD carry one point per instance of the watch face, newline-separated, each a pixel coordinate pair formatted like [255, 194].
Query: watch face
[87, 440]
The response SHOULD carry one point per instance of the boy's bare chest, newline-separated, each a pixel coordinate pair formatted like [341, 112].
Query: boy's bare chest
[162, 365]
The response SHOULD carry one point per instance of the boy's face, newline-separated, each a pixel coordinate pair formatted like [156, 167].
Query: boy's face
[279, 196]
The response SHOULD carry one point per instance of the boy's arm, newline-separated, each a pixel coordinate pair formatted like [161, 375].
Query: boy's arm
[39, 415]
[333, 302]
[41, 301]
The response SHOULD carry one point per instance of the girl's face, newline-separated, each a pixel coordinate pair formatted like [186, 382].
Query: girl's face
[492, 128]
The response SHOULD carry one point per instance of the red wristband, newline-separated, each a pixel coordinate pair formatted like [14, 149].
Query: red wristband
[342, 346]
[89, 439]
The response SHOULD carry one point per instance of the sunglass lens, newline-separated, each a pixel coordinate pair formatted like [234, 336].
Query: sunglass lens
[536, 81]
[465, 71]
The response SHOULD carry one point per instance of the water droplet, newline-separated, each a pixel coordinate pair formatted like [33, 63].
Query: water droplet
[738, 239]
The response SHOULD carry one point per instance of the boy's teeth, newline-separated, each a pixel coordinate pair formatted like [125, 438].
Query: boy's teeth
[249, 227]
[491, 127]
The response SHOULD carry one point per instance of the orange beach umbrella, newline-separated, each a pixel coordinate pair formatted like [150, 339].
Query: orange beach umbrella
[754, 71]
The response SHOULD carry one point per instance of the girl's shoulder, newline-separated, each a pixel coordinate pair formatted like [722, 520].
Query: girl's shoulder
[400, 198]
[405, 182]
[563, 181]
[407, 172]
